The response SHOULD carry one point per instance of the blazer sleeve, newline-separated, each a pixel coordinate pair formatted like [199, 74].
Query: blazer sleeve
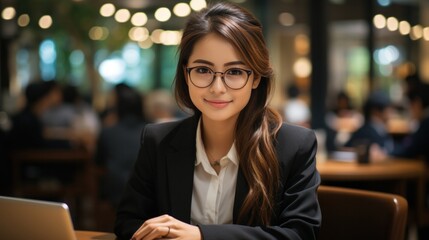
[298, 215]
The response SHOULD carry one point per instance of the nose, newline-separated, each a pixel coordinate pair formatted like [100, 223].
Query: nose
[218, 85]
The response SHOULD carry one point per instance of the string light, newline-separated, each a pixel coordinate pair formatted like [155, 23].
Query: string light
[8, 13]
[23, 20]
[107, 10]
[162, 14]
[415, 32]
[122, 15]
[45, 22]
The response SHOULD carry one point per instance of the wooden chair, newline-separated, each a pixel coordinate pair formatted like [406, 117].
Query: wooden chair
[422, 209]
[360, 214]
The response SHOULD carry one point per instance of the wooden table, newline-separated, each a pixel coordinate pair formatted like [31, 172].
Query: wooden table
[392, 169]
[396, 173]
[91, 235]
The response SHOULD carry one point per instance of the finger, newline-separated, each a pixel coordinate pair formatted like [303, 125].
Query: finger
[156, 233]
[151, 231]
[149, 225]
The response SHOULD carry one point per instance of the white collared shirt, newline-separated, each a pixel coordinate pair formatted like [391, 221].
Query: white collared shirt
[213, 195]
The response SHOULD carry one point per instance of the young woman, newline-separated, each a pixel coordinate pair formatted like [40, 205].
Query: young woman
[233, 170]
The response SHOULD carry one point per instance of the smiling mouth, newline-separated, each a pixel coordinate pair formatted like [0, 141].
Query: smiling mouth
[217, 103]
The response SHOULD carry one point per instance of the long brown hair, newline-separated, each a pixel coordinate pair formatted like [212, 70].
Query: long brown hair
[257, 124]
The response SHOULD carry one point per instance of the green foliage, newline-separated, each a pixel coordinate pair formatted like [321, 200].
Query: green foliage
[73, 20]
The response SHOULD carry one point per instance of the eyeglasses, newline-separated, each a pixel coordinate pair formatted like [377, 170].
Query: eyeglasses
[234, 78]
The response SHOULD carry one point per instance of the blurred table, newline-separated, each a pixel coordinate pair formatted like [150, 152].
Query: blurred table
[91, 235]
[391, 169]
[392, 175]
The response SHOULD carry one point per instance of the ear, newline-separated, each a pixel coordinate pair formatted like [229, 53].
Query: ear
[256, 82]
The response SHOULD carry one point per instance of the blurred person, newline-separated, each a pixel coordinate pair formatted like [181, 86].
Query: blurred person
[73, 119]
[28, 129]
[343, 106]
[416, 144]
[29, 133]
[159, 106]
[296, 110]
[342, 120]
[233, 170]
[373, 132]
[118, 144]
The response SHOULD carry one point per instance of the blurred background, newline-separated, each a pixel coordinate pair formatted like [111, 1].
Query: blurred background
[350, 45]
[327, 55]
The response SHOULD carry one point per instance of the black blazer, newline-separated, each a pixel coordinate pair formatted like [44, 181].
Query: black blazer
[162, 183]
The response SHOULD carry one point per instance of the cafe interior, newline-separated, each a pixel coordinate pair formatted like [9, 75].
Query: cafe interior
[338, 65]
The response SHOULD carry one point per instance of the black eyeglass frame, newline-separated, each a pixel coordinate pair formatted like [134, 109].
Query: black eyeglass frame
[248, 72]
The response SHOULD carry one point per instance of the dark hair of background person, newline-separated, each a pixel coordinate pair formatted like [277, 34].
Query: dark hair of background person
[27, 126]
[377, 101]
[419, 91]
[342, 103]
[257, 124]
[412, 84]
[128, 102]
[35, 91]
[70, 94]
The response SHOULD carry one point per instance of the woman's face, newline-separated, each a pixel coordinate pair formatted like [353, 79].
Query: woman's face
[218, 102]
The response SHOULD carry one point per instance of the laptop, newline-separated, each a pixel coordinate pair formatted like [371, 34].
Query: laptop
[33, 219]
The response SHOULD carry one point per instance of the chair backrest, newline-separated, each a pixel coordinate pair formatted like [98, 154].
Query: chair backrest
[361, 214]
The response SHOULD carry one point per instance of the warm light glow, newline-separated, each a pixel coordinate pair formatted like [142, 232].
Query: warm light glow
[139, 19]
[170, 37]
[426, 33]
[392, 24]
[162, 14]
[404, 27]
[146, 43]
[138, 34]
[416, 32]
[23, 20]
[8, 13]
[379, 21]
[45, 22]
[302, 44]
[156, 35]
[424, 71]
[122, 15]
[286, 19]
[302, 67]
[182, 9]
[197, 5]
[98, 33]
[107, 10]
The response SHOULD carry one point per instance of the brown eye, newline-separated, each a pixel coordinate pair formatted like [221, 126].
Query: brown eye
[235, 72]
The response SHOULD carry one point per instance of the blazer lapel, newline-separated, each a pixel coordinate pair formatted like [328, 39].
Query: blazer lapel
[180, 163]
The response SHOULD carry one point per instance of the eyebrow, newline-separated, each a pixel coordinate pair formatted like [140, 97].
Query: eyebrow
[212, 64]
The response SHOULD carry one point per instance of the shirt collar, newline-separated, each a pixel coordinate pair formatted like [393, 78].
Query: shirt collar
[232, 154]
